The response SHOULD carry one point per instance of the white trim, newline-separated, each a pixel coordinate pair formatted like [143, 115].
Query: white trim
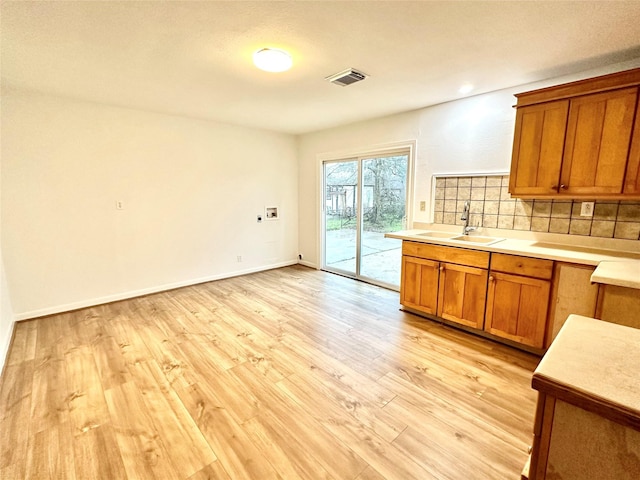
[435, 176]
[380, 149]
[144, 291]
[309, 264]
[458, 174]
[4, 351]
[408, 147]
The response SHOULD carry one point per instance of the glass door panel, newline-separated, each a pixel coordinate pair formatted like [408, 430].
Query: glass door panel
[384, 193]
[364, 199]
[340, 216]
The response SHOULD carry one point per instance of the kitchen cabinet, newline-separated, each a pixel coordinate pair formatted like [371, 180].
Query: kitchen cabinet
[597, 143]
[462, 294]
[578, 140]
[587, 421]
[537, 148]
[518, 298]
[571, 292]
[419, 285]
[619, 292]
[632, 177]
[448, 282]
[619, 305]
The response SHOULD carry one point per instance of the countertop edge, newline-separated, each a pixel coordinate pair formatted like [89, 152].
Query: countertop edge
[624, 273]
[527, 248]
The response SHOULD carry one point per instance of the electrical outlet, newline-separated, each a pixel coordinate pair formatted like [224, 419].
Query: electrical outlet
[119, 205]
[239, 258]
[423, 205]
[586, 209]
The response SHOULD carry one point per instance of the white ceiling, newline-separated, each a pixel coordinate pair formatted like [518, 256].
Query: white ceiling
[194, 58]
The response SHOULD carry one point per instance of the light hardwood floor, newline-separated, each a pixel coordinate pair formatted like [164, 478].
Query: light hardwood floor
[290, 373]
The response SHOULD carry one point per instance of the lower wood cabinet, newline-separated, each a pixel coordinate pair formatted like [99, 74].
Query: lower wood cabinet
[518, 298]
[419, 284]
[521, 299]
[462, 294]
[517, 308]
[448, 282]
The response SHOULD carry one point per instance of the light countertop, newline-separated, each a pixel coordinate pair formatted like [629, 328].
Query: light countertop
[584, 255]
[596, 361]
[620, 273]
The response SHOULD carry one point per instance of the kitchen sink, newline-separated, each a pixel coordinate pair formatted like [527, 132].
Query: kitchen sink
[436, 234]
[477, 239]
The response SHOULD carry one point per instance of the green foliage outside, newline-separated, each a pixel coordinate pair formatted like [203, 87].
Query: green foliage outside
[383, 195]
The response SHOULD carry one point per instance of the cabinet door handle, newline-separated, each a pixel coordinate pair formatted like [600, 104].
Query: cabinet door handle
[491, 278]
[563, 186]
[442, 268]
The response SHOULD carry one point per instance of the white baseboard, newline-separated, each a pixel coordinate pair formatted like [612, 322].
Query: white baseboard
[308, 264]
[4, 349]
[145, 291]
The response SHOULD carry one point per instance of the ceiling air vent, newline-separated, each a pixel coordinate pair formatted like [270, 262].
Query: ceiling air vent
[347, 77]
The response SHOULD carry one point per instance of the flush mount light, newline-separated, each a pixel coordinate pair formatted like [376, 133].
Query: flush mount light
[272, 60]
[466, 88]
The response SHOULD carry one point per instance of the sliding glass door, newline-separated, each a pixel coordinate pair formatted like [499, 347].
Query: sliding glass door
[365, 198]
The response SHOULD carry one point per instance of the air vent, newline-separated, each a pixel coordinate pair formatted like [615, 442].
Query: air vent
[347, 77]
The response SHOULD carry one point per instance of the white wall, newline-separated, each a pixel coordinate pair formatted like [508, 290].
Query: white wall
[6, 312]
[471, 135]
[191, 190]
[6, 317]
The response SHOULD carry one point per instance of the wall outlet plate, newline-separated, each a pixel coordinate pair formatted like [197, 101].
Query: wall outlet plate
[586, 209]
[271, 213]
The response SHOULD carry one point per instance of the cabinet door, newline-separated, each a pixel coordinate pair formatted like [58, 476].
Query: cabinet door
[517, 308]
[632, 177]
[462, 294]
[537, 148]
[419, 285]
[597, 142]
[571, 292]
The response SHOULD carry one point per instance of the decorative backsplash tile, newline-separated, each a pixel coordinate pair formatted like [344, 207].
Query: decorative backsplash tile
[491, 206]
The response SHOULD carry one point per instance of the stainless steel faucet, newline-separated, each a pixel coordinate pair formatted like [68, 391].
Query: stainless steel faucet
[466, 229]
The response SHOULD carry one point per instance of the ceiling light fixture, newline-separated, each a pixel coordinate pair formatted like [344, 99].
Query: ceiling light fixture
[272, 60]
[466, 88]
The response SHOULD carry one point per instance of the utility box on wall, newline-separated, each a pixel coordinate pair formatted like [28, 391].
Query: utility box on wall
[271, 213]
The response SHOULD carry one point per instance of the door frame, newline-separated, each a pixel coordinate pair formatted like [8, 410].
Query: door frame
[407, 147]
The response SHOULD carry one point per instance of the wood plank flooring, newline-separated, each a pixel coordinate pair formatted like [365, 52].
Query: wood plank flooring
[290, 373]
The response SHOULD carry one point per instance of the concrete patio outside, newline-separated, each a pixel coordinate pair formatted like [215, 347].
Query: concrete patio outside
[381, 257]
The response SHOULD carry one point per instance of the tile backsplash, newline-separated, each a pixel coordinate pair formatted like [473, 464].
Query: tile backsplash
[491, 206]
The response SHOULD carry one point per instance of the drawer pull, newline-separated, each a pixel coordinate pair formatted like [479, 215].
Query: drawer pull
[491, 278]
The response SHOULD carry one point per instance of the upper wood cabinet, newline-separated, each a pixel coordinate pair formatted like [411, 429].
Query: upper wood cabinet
[538, 146]
[597, 142]
[578, 140]
[632, 178]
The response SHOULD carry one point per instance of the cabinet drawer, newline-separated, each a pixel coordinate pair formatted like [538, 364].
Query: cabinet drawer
[529, 267]
[460, 256]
